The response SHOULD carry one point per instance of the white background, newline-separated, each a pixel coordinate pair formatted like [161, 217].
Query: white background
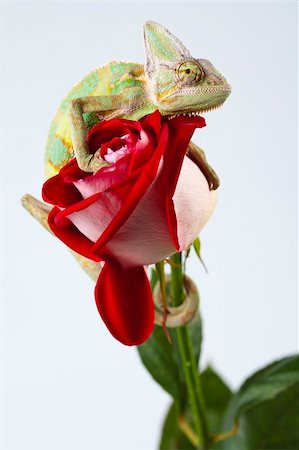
[67, 384]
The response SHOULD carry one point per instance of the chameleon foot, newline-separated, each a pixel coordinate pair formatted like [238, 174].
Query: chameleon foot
[196, 154]
[92, 164]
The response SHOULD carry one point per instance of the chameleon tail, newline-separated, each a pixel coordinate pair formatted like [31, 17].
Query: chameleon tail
[37, 209]
[40, 212]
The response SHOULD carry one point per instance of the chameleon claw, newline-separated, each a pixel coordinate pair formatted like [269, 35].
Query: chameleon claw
[196, 154]
[93, 163]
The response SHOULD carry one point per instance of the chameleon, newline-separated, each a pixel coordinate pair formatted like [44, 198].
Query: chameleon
[171, 81]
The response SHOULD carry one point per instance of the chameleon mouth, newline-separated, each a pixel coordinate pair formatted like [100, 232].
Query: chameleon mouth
[195, 113]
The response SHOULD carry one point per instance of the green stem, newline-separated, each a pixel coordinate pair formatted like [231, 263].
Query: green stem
[187, 358]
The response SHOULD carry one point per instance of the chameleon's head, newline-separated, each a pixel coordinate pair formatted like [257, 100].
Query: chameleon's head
[177, 82]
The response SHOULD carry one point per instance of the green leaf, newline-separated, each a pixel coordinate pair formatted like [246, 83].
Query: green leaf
[172, 437]
[267, 406]
[216, 396]
[197, 248]
[197, 245]
[266, 384]
[162, 360]
[158, 356]
[275, 423]
[271, 425]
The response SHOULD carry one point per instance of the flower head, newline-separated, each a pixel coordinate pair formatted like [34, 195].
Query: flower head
[149, 203]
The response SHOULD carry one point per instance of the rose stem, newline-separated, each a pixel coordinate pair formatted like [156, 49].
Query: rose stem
[187, 357]
[161, 275]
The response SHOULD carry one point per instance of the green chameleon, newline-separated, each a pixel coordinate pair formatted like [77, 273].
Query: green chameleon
[171, 81]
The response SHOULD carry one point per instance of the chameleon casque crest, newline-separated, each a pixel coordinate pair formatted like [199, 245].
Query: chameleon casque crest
[171, 81]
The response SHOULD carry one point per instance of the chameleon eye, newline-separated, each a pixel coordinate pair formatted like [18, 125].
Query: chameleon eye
[190, 72]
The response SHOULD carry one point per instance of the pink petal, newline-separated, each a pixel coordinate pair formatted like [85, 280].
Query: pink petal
[96, 217]
[113, 156]
[193, 203]
[103, 179]
[145, 237]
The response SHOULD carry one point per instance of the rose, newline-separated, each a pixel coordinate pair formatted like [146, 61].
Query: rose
[151, 202]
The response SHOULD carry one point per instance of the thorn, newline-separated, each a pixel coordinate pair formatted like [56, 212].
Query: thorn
[164, 327]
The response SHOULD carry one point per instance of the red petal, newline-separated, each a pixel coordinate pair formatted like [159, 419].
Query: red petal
[71, 236]
[132, 198]
[59, 189]
[152, 123]
[125, 303]
[181, 130]
[106, 130]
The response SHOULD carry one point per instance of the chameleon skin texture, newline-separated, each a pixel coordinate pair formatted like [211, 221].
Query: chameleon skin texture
[163, 83]
[112, 78]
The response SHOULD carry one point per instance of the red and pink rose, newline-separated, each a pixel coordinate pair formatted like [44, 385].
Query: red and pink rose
[151, 202]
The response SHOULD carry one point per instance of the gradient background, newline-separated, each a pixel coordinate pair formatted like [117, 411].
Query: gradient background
[67, 384]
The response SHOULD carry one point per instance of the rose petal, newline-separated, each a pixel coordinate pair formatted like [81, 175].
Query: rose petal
[113, 156]
[105, 131]
[193, 203]
[104, 178]
[59, 191]
[137, 190]
[71, 236]
[124, 301]
[145, 237]
[151, 202]
[181, 130]
[96, 217]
